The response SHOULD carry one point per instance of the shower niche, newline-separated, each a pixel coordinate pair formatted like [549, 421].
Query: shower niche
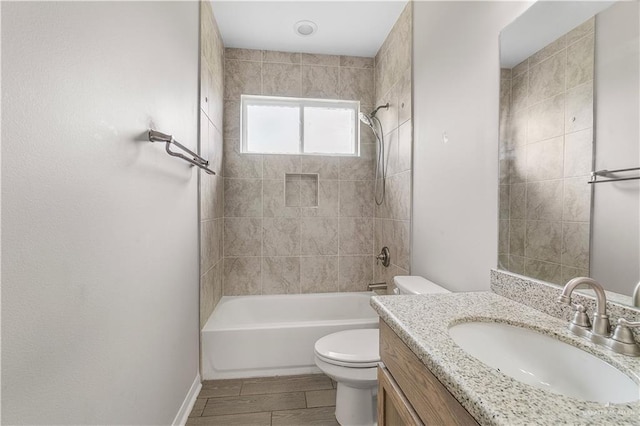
[301, 190]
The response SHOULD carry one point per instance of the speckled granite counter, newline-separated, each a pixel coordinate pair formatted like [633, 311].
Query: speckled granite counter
[493, 398]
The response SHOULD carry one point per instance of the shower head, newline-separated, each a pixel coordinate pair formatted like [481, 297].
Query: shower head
[365, 119]
[368, 118]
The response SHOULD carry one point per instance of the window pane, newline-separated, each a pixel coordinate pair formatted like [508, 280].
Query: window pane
[329, 130]
[273, 129]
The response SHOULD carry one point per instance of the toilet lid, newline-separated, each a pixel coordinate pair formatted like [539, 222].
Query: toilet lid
[351, 346]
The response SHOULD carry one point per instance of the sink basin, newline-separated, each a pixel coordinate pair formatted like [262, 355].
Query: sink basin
[544, 362]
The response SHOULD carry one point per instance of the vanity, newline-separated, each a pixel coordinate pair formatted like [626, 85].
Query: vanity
[425, 377]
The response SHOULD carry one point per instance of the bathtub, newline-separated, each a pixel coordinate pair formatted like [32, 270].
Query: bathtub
[256, 336]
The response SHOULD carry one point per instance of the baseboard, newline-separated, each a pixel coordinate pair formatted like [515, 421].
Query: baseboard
[187, 404]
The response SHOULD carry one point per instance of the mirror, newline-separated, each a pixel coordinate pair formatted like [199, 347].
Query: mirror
[569, 106]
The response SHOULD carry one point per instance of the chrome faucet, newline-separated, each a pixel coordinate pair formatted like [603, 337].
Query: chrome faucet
[601, 325]
[636, 296]
[621, 341]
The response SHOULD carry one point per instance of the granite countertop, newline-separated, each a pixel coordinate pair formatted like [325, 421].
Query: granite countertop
[492, 398]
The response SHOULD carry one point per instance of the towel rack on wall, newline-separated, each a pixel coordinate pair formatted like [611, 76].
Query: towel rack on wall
[608, 174]
[196, 160]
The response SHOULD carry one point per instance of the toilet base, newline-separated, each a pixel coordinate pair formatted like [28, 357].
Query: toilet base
[356, 406]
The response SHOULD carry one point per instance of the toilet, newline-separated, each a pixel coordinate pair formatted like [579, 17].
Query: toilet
[351, 358]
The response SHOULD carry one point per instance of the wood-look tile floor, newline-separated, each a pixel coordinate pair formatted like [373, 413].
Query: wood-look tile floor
[270, 401]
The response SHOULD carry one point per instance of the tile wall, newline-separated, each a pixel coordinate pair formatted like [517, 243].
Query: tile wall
[274, 245]
[392, 221]
[211, 142]
[546, 148]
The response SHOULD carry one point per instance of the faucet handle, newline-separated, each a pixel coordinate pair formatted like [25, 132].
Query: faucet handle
[623, 340]
[580, 317]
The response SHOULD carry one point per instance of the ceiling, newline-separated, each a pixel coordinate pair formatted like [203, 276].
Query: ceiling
[353, 28]
[542, 23]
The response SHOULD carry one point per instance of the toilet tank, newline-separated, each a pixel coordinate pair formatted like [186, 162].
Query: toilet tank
[408, 284]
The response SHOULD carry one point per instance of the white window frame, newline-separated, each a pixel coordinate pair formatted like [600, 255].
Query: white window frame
[246, 100]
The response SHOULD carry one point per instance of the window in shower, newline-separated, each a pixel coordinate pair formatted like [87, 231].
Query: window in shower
[277, 125]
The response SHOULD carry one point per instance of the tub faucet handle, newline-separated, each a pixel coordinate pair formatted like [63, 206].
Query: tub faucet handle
[384, 257]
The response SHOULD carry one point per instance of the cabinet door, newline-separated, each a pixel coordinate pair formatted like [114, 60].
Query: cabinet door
[426, 395]
[393, 407]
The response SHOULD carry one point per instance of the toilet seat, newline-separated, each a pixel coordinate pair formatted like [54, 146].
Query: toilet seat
[351, 348]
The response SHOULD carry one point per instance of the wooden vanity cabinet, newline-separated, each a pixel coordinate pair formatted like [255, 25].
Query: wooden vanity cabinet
[408, 394]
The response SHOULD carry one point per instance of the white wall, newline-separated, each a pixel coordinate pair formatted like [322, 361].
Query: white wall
[455, 184]
[615, 249]
[100, 265]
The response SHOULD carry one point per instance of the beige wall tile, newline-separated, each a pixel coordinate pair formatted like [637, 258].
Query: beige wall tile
[242, 197]
[361, 167]
[578, 153]
[400, 243]
[282, 57]
[326, 167]
[579, 108]
[546, 119]
[548, 51]
[520, 68]
[328, 200]
[516, 238]
[518, 131]
[546, 79]
[545, 159]
[520, 92]
[399, 195]
[581, 30]
[503, 240]
[518, 165]
[503, 201]
[405, 146]
[575, 245]
[404, 97]
[319, 274]
[388, 116]
[577, 200]
[320, 82]
[546, 271]
[276, 166]
[544, 200]
[280, 275]
[232, 119]
[281, 80]
[207, 283]
[242, 236]
[356, 62]
[243, 54]
[328, 60]
[366, 134]
[237, 165]
[319, 236]
[543, 240]
[518, 201]
[580, 61]
[242, 78]
[516, 264]
[274, 201]
[242, 276]
[281, 236]
[356, 235]
[356, 84]
[355, 272]
[569, 273]
[308, 190]
[356, 198]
